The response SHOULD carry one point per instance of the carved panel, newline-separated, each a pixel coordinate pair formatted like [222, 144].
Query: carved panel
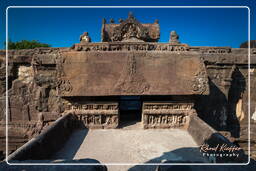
[95, 115]
[128, 46]
[170, 106]
[166, 115]
[64, 86]
[165, 121]
[218, 50]
[200, 83]
[132, 81]
[130, 29]
[91, 106]
[99, 121]
[136, 73]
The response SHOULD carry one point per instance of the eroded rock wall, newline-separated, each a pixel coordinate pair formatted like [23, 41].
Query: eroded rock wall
[32, 98]
[226, 108]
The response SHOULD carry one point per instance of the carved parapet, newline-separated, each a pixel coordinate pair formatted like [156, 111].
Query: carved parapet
[95, 115]
[131, 46]
[214, 50]
[166, 114]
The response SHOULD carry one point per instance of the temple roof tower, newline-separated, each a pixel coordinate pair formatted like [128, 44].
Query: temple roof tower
[130, 30]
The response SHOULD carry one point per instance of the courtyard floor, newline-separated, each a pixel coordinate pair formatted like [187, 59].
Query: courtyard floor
[131, 145]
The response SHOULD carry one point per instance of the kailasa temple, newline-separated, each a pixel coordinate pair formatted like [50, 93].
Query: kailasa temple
[129, 78]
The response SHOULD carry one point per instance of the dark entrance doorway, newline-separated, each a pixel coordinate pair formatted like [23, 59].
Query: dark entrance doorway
[130, 110]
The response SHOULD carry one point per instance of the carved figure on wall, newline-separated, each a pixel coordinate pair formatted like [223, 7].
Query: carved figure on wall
[64, 86]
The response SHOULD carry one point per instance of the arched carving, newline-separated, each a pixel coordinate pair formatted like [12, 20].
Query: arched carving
[130, 29]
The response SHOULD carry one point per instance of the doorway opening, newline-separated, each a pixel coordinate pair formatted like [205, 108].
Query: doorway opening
[130, 110]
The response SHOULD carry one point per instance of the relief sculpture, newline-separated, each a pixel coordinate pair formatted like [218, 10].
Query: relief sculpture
[64, 86]
[130, 30]
[172, 120]
[132, 46]
[166, 115]
[98, 121]
[132, 81]
[200, 82]
[93, 115]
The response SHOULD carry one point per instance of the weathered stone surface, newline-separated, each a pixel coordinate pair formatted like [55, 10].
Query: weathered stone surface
[136, 73]
[43, 146]
[166, 115]
[136, 46]
[31, 91]
[95, 115]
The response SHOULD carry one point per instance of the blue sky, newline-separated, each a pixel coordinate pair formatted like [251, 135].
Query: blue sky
[62, 27]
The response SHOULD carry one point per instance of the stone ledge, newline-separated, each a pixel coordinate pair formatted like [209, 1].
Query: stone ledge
[203, 134]
[45, 144]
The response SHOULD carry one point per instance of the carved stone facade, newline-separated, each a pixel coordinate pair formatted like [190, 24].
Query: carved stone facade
[166, 115]
[45, 83]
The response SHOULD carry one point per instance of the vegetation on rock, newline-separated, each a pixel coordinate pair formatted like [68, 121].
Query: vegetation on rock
[26, 44]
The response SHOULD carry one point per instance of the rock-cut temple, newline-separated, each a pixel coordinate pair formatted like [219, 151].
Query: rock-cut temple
[129, 77]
